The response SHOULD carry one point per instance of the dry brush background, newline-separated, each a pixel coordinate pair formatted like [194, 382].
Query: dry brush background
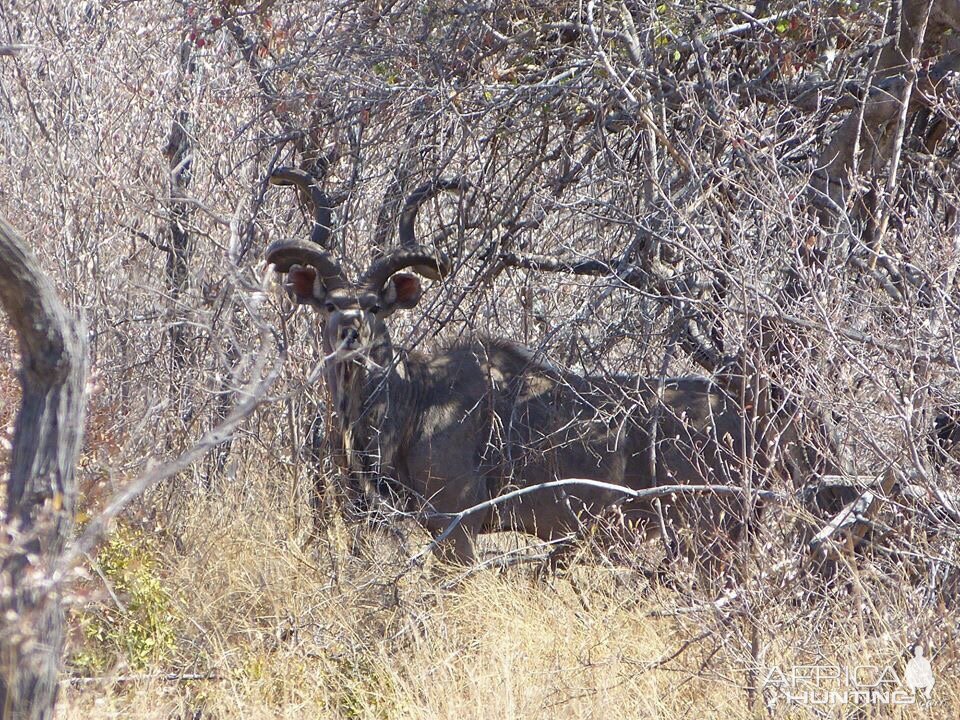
[649, 184]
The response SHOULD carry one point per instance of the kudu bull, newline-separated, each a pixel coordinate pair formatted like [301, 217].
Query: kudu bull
[447, 431]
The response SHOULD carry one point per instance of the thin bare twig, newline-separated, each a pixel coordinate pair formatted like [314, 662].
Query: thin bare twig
[99, 526]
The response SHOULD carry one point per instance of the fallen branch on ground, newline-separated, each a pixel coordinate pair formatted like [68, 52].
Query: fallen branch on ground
[126, 679]
[646, 494]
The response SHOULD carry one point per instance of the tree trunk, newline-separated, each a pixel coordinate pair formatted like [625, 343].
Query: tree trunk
[41, 492]
[179, 154]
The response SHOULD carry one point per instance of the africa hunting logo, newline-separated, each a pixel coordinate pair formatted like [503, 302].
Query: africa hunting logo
[858, 684]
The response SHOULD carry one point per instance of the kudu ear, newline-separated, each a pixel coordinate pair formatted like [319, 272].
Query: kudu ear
[401, 292]
[304, 284]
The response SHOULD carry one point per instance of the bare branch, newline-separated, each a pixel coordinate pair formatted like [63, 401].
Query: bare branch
[661, 491]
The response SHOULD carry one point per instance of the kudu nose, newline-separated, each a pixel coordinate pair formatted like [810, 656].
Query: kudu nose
[349, 335]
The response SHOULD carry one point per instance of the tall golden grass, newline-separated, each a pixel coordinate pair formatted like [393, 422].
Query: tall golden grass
[271, 625]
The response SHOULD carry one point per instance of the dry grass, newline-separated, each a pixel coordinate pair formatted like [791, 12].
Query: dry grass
[293, 630]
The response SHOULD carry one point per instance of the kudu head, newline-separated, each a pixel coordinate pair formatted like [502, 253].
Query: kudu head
[354, 312]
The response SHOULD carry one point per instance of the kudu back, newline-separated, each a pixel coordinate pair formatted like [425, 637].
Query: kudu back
[444, 432]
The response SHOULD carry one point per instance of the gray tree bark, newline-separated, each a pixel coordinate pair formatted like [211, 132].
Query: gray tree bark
[41, 493]
[179, 154]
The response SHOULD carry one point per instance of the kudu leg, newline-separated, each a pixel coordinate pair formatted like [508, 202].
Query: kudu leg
[460, 547]
[559, 558]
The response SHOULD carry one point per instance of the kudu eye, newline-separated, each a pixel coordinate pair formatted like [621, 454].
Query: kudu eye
[374, 309]
[330, 307]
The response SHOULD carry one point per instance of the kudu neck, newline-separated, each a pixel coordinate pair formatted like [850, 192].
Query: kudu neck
[371, 401]
[355, 382]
